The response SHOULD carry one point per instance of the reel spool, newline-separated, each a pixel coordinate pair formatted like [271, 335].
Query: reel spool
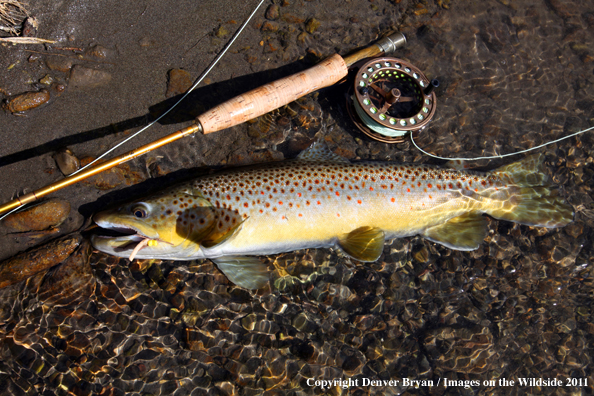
[391, 97]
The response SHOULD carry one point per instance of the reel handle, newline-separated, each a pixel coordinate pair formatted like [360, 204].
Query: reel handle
[271, 96]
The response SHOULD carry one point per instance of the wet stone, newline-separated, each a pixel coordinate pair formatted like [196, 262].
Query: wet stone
[27, 101]
[82, 77]
[270, 26]
[71, 281]
[99, 51]
[40, 217]
[59, 63]
[36, 260]
[178, 82]
[66, 161]
[272, 12]
[221, 32]
[312, 25]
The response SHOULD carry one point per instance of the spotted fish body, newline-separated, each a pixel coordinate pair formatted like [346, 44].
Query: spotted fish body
[322, 200]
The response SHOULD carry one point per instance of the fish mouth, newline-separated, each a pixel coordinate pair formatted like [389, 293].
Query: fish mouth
[109, 242]
[117, 239]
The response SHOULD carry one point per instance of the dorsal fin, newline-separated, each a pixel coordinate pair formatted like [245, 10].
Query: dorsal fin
[318, 151]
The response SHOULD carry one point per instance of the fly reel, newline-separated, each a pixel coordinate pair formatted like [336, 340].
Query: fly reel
[391, 98]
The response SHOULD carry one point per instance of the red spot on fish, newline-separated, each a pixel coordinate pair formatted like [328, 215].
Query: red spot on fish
[393, 200]
[337, 194]
[430, 185]
[319, 203]
[300, 215]
[370, 188]
[408, 190]
[359, 202]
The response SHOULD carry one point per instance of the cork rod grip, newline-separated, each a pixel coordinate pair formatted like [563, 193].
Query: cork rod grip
[274, 95]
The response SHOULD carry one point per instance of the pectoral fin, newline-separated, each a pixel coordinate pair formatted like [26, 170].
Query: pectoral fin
[464, 232]
[227, 225]
[364, 243]
[248, 272]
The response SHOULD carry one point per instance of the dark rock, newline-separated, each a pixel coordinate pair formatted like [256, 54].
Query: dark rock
[71, 281]
[83, 77]
[29, 263]
[59, 63]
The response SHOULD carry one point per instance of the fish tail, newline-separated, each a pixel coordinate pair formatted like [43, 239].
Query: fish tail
[531, 197]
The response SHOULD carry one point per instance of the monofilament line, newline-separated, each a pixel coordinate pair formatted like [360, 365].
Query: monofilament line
[497, 156]
[202, 77]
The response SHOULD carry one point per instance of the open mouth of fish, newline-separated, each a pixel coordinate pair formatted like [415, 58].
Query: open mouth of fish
[124, 239]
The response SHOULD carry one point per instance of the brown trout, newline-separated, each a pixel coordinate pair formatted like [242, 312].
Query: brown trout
[322, 200]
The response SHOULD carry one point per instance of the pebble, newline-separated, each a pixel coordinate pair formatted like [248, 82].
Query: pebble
[29, 263]
[221, 32]
[312, 25]
[178, 82]
[47, 80]
[83, 77]
[302, 38]
[27, 101]
[70, 281]
[272, 12]
[40, 217]
[270, 26]
[99, 51]
[66, 161]
[59, 63]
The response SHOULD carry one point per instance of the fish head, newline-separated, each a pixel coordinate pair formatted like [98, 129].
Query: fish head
[168, 225]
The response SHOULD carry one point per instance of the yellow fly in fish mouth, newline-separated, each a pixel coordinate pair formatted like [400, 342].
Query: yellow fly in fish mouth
[323, 200]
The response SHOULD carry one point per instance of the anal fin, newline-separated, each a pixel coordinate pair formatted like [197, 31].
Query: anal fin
[464, 232]
[248, 272]
[364, 243]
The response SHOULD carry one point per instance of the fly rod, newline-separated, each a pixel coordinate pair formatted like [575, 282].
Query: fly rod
[237, 110]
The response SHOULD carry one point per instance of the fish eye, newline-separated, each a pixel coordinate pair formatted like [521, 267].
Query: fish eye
[139, 211]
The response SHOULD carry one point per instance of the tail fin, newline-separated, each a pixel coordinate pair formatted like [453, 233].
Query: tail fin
[534, 200]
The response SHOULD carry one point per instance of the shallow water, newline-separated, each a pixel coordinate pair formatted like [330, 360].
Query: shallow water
[513, 75]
